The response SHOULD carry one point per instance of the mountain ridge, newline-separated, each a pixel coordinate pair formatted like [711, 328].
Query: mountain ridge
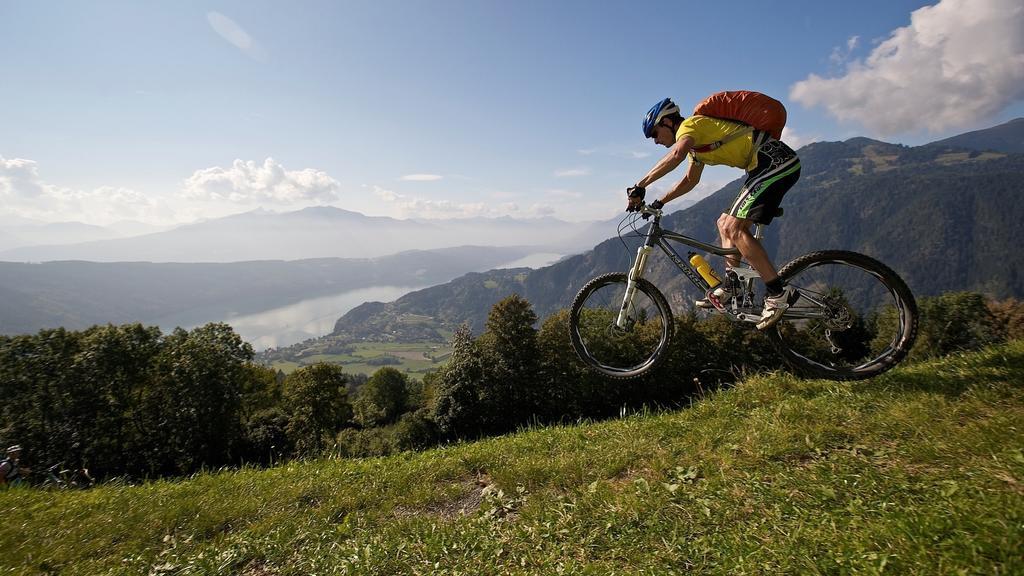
[886, 200]
[78, 294]
[314, 232]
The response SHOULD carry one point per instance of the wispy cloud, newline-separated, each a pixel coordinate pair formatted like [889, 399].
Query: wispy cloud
[559, 193]
[234, 34]
[406, 206]
[572, 172]
[614, 151]
[840, 57]
[421, 177]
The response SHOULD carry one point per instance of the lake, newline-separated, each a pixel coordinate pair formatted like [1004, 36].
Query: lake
[307, 319]
[315, 317]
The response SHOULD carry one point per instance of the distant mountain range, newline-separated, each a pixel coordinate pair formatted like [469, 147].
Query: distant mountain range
[319, 232]
[23, 232]
[943, 215]
[76, 295]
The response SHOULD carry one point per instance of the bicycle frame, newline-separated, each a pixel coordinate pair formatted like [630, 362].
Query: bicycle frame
[747, 312]
[657, 236]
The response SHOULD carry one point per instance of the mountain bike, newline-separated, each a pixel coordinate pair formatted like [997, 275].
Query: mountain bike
[855, 317]
[64, 479]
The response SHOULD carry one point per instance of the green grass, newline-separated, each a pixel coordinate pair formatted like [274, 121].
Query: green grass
[919, 471]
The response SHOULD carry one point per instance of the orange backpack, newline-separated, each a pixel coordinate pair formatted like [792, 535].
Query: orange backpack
[754, 109]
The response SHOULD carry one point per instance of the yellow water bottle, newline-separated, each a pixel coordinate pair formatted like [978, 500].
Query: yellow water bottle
[704, 269]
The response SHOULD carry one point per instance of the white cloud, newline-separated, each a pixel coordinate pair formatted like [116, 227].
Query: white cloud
[959, 62]
[235, 35]
[24, 193]
[572, 172]
[421, 177]
[795, 140]
[246, 182]
[410, 207]
[19, 178]
[560, 193]
[403, 206]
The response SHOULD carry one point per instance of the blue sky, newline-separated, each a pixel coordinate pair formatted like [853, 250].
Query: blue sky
[171, 111]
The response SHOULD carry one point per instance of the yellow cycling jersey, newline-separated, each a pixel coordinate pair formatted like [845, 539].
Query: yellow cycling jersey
[707, 130]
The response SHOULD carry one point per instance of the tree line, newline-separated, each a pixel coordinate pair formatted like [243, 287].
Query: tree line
[130, 401]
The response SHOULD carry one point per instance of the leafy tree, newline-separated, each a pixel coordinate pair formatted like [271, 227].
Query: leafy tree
[382, 399]
[33, 372]
[262, 389]
[571, 390]
[192, 407]
[423, 393]
[318, 406]
[458, 410]
[266, 439]
[515, 394]
[113, 367]
[124, 399]
[415, 431]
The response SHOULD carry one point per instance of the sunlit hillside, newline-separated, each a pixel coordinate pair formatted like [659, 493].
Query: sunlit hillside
[919, 471]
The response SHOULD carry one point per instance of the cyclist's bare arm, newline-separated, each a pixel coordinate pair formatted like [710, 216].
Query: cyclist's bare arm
[669, 162]
[686, 184]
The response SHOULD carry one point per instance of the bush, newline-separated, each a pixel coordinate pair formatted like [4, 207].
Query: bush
[415, 431]
[266, 437]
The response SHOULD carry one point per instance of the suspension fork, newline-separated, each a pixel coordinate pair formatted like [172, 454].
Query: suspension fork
[635, 273]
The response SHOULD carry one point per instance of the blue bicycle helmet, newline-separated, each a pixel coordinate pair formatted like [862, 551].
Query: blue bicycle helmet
[656, 113]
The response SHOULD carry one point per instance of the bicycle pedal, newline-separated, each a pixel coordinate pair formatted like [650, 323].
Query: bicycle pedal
[715, 301]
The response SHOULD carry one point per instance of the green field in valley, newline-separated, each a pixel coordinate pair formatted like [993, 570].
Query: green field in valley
[414, 359]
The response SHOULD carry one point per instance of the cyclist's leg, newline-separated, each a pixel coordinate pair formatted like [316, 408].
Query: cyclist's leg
[725, 238]
[736, 232]
[778, 168]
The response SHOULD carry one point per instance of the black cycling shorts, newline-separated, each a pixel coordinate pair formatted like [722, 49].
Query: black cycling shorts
[778, 168]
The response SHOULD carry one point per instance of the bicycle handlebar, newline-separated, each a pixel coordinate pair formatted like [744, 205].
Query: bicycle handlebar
[646, 211]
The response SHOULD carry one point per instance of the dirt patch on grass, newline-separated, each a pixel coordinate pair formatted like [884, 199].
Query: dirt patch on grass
[464, 505]
[258, 568]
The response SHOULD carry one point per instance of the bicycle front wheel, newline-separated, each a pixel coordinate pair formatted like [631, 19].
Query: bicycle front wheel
[620, 348]
[855, 318]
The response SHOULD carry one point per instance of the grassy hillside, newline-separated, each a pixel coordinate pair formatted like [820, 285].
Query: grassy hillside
[920, 471]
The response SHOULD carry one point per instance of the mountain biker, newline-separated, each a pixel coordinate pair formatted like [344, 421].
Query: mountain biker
[772, 168]
[10, 472]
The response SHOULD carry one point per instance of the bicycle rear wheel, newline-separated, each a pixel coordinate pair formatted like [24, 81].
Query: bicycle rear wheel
[626, 351]
[855, 318]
